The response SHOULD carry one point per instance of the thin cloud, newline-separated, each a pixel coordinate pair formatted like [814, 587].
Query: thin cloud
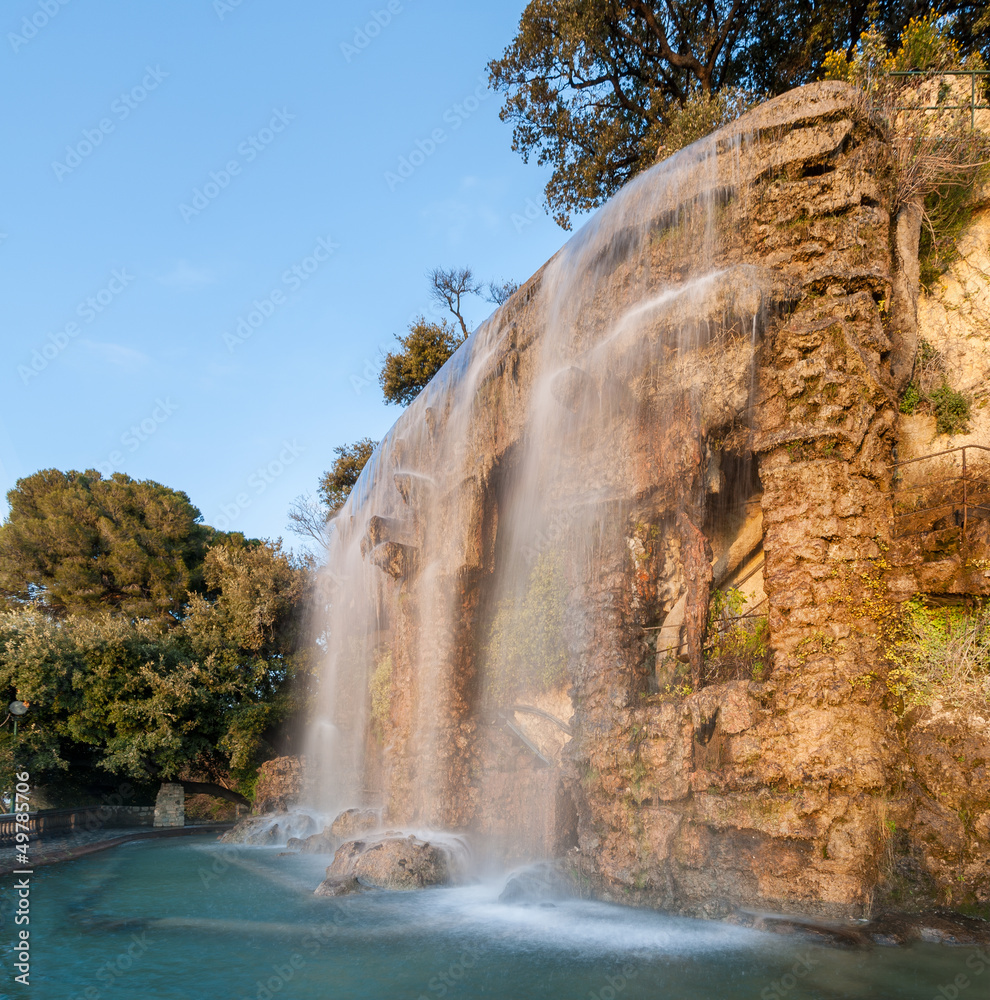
[186, 275]
[117, 354]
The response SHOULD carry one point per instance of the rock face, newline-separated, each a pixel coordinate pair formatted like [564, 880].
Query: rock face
[354, 822]
[278, 787]
[719, 344]
[389, 863]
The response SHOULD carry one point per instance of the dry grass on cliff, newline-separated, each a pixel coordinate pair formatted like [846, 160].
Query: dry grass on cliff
[941, 142]
[943, 653]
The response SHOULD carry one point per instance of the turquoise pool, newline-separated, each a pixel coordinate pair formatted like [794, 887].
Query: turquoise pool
[196, 920]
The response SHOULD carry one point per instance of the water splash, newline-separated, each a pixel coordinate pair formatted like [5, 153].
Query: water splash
[476, 562]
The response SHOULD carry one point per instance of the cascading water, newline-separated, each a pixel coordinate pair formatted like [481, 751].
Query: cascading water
[471, 584]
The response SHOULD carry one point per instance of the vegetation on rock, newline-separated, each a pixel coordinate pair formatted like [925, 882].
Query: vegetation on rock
[381, 692]
[594, 88]
[424, 351]
[738, 644]
[930, 392]
[940, 154]
[526, 646]
[942, 652]
[428, 344]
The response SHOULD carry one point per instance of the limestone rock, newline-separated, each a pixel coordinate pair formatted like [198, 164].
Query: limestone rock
[389, 863]
[354, 822]
[318, 843]
[278, 787]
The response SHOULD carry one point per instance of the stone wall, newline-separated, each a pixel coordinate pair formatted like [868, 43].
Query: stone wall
[170, 806]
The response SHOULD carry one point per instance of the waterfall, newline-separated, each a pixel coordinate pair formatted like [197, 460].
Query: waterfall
[474, 584]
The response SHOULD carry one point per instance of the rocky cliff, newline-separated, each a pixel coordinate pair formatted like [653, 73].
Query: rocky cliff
[700, 391]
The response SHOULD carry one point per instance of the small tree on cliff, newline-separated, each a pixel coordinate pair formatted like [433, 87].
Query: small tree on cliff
[424, 351]
[313, 516]
[428, 345]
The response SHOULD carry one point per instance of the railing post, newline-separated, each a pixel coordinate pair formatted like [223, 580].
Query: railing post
[965, 491]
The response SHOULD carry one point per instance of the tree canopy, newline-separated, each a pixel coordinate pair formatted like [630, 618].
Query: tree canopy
[112, 696]
[595, 88]
[312, 517]
[428, 344]
[336, 484]
[424, 351]
[82, 544]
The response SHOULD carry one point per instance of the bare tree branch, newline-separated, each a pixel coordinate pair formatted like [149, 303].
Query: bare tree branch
[450, 285]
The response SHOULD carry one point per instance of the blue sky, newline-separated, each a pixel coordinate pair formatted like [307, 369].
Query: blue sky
[176, 172]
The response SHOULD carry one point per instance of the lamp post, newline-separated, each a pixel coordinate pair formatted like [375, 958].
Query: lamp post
[17, 709]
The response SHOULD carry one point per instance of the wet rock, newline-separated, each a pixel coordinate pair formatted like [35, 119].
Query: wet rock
[259, 830]
[574, 389]
[339, 886]
[390, 863]
[892, 929]
[833, 935]
[318, 843]
[394, 558]
[354, 822]
[278, 787]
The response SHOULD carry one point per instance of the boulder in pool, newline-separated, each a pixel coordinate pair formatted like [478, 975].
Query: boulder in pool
[387, 863]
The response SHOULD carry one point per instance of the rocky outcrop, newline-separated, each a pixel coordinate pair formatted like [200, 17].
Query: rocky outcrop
[354, 822]
[720, 342]
[389, 863]
[279, 785]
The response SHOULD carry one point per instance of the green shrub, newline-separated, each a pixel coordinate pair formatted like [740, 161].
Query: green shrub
[701, 114]
[930, 392]
[526, 641]
[738, 648]
[951, 409]
[912, 398]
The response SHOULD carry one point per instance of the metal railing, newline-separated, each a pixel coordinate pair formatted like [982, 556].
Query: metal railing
[49, 822]
[972, 495]
[973, 106]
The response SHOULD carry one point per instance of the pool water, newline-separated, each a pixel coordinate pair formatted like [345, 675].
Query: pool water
[198, 920]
